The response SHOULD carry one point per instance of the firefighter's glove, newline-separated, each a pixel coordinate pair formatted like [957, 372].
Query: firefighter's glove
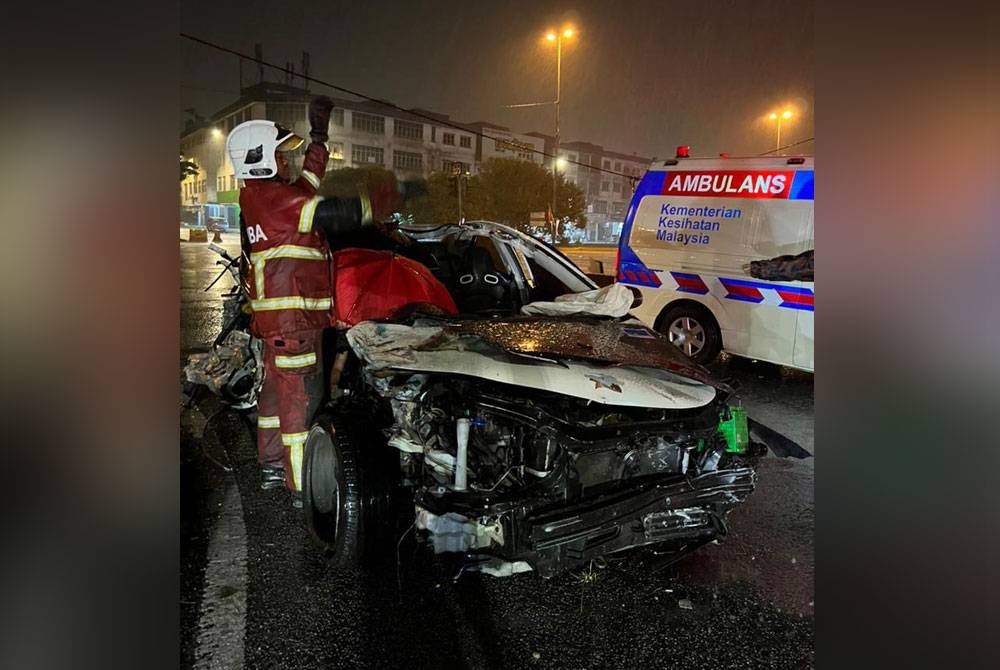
[319, 118]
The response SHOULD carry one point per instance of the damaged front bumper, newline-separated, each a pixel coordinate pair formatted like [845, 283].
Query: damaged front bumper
[677, 512]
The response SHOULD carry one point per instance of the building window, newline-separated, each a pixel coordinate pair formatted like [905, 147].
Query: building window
[336, 151]
[465, 141]
[287, 114]
[434, 134]
[605, 186]
[368, 123]
[618, 166]
[408, 130]
[600, 207]
[363, 154]
[337, 116]
[606, 164]
[406, 160]
[618, 209]
[452, 166]
[448, 138]
[618, 187]
[232, 182]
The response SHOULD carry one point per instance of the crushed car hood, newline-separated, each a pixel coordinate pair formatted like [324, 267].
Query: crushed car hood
[498, 354]
[604, 341]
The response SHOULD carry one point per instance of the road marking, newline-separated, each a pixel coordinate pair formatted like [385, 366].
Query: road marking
[222, 622]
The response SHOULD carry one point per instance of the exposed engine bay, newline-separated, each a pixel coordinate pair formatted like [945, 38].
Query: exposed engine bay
[537, 480]
[545, 461]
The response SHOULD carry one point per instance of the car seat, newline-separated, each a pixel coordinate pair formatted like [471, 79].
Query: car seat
[477, 285]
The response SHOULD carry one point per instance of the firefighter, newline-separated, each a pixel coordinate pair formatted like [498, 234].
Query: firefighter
[286, 230]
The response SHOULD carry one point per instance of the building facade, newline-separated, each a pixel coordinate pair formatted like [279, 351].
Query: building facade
[411, 145]
[493, 141]
[607, 179]
[361, 134]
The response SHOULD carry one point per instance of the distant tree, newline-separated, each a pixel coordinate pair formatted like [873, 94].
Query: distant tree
[437, 204]
[506, 190]
[188, 169]
[344, 182]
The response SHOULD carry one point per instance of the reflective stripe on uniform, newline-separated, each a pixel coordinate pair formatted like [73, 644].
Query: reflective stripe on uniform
[268, 422]
[296, 446]
[292, 302]
[311, 177]
[307, 213]
[301, 361]
[259, 259]
[366, 208]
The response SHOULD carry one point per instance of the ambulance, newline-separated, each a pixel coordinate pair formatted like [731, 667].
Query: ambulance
[692, 226]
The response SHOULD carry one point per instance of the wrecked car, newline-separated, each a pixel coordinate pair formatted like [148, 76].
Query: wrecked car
[538, 429]
[513, 416]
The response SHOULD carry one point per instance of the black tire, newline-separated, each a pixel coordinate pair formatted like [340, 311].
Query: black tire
[703, 349]
[347, 484]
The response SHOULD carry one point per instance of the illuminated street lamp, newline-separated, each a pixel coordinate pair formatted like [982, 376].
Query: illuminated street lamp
[553, 36]
[778, 117]
[216, 133]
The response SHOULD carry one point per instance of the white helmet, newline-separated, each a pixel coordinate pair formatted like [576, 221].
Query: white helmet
[251, 146]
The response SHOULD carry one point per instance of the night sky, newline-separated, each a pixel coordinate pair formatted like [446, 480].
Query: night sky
[641, 76]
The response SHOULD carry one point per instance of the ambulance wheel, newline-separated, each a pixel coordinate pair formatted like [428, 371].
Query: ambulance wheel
[692, 329]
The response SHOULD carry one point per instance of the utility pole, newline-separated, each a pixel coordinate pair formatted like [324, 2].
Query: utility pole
[459, 178]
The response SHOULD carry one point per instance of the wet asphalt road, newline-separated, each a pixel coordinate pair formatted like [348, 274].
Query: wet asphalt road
[286, 606]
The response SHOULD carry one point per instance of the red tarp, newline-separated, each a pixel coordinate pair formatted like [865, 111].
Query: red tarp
[375, 285]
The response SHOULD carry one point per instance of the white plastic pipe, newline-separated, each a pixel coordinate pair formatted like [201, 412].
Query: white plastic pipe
[462, 454]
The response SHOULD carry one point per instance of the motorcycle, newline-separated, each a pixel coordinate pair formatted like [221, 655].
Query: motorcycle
[233, 368]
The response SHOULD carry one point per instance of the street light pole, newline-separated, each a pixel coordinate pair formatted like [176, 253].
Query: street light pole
[557, 38]
[555, 153]
[775, 117]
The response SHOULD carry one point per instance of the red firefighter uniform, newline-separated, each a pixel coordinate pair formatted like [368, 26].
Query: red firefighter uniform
[291, 295]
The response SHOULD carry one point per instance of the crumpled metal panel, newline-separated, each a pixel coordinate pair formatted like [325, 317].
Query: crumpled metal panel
[429, 349]
[602, 341]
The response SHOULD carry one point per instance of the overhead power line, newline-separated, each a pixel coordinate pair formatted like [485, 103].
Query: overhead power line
[788, 146]
[391, 105]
